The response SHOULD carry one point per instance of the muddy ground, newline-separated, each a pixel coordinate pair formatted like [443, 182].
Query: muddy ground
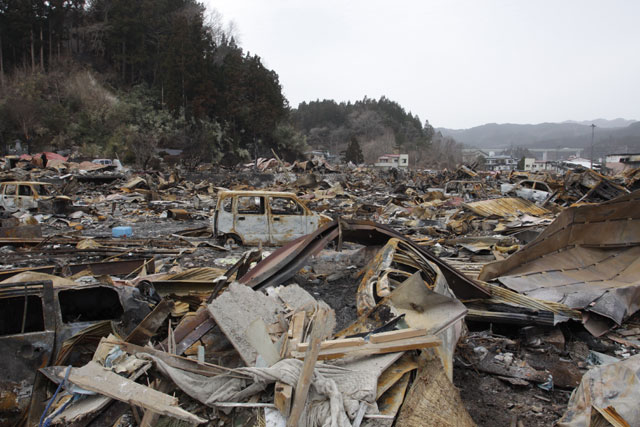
[492, 402]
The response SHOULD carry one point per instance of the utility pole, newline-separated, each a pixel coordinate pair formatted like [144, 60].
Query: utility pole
[593, 127]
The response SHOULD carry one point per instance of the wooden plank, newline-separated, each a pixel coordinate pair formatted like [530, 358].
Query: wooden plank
[90, 407]
[150, 418]
[282, 398]
[339, 343]
[297, 331]
[150, 324]
[318, 333]
[392, 375]
[377, 348]
[397, 335]
[94, 377]
[283, 392]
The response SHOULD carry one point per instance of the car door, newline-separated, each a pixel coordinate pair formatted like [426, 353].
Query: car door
[525, 190]
[540, 192]
[24, 197]
[250, 219]
[288, 219]
[9, 197]
[27, 339]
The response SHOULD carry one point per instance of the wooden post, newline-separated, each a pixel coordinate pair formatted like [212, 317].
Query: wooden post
[319, 332]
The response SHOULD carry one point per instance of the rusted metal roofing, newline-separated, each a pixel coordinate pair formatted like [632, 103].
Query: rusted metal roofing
[283, 263]
[505, 207]
[588, 259]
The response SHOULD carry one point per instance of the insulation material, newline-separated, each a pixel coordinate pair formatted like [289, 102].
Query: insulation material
[433, 400]
[334, 397]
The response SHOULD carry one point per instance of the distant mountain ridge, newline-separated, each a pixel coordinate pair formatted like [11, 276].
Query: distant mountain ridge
[604, 123]
[608, 136]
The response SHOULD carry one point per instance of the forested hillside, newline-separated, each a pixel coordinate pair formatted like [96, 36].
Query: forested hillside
[379, 126]
[123, 77]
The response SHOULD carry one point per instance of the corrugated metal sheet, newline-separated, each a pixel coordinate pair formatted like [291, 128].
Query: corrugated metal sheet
[505, 207]
[588, 259]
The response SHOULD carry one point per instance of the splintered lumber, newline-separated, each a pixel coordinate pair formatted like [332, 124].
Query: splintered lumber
[297, 327]
[94, 377]
[283, 392]
[395, 373]
[370, 348]
[322, 326]
[397, 335]
[282, 398]
[339, 343]
[150, 324]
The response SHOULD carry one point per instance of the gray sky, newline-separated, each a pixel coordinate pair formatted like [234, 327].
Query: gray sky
[456, 63]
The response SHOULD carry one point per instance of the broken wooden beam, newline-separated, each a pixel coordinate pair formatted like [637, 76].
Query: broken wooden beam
[96, 378]
[370, 348]
[282, 398]
[397, 335]
[338, 343]
[150, 324]
[320, 331]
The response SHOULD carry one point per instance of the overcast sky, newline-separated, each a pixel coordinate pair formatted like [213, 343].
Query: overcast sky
[457, 64]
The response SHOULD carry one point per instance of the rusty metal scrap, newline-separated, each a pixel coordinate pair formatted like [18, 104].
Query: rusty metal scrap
[505, 207]
[587, 259]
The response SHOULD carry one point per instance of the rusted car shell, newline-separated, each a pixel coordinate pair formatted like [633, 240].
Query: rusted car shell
[30, 195]
[24, 352]
[261, 223]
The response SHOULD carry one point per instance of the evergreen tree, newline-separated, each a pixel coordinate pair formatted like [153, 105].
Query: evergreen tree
[354, 152]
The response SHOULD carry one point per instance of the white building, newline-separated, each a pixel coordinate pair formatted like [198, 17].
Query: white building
[533, 165]
[500, 163]
[620, 162]
[577, 162]
[388, 161]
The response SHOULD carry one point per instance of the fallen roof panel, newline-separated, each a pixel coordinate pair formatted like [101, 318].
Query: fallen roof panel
[588, 259]
[505, 207]
[286, 261]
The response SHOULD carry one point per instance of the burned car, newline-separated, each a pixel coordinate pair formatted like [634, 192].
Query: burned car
[31, 195]
[263, 217]
[38, 316]
[534, 191]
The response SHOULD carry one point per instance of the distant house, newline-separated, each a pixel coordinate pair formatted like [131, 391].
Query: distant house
[471, 155]
[500, 163]
[388, 161]
[621, 162]
[579, 162]
[533, 165]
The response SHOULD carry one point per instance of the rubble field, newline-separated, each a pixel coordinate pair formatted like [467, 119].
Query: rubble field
[310, 294]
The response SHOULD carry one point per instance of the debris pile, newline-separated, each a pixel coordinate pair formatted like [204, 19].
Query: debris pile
[313, 294]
